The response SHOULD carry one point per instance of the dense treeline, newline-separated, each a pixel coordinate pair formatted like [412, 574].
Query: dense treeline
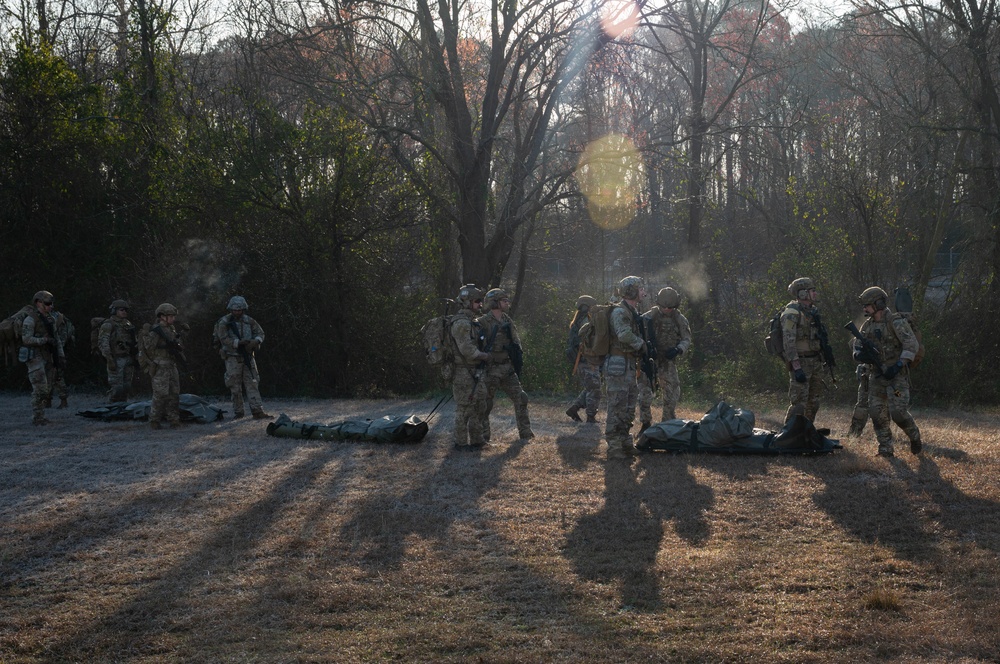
[344, 166]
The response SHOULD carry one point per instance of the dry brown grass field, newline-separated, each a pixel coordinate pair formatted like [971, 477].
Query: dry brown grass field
[218, 543]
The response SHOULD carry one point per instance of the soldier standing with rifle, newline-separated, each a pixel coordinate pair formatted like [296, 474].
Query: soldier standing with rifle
[41, 352]
[118, 344]
[804, 350]
[670, 333]
[504, 367]
[887, 344]
[620, 367]
[468, 388]
[239, 336]
[165, 353]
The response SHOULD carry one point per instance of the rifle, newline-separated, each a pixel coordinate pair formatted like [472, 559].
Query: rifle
[648, 362]
[241, 347]
[57, 358]
[173, 346]
[488, 348]
[824, 345]
[869, 354]
[514, 350]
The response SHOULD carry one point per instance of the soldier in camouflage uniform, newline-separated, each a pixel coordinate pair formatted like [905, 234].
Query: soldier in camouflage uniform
[803, 350]
[66, 334]
[500, 335]
[896, 346]
[672, 333]
[165, 352]
[586, 364]
[117, 340]
[468, 386]
[41, 352]
[620, 367]
[239, 336]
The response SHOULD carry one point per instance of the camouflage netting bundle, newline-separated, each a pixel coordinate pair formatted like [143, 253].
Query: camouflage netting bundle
[193, 409]
[729, 430]
[400, 429]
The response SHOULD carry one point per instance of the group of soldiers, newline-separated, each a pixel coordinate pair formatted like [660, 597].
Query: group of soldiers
[884, 348]
[157, 349]
[642, 352]
[641, 355]
[487, 358]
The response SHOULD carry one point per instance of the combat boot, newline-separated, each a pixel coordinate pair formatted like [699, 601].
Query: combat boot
[916, 445]
[591, 419]
[155, 424]
[39, 420]
[574, 413]
[885, 451]
[527, 435]
[63, 402]
[261, 415]
[238, 414]
[48, 402]
[644, 425]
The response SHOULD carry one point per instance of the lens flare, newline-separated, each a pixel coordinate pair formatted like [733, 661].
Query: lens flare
[619, 17]
[611, 178]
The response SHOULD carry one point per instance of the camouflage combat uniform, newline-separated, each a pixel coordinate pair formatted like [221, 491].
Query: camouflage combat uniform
[469, 392]
[889, 399]
[500, 372]
[117, 342]
[801, 342]
[671, 331]
[66, 334]
[43, 351]
[587, 364]
[620, 375]
[166, 377]
[859, 417]
[240, 374]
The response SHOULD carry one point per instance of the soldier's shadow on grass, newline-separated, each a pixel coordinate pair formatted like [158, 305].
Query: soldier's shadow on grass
[621, 542]
[383, 521]
[889, 507]
[581, 446]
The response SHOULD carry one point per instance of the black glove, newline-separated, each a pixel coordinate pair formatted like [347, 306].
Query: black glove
[859, 355]
[892, 371]
[800, 376]
[672, 352]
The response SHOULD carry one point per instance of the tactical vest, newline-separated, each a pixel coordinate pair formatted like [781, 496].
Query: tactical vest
[504, 336]
[806, 334]
[619, 347]
[883, 335]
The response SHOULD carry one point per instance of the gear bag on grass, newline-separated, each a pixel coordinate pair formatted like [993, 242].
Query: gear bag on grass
[595, 334]
[10, 333]
[774, 341]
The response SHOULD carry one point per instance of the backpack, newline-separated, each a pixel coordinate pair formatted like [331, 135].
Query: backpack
[921, 351]
[10, 333]
[95, 335]
[142, 339]
[436, 337]
[774, 342]
[595, 335]
[903, 304]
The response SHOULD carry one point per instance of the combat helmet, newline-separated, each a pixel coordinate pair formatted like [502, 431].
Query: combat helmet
[116, 305]
[237, 302]
[628, 288]
[874, 296]
[43, 296]
[585, 301]
[799, 285]
[468, 294]
[668, 297]
[166, 309]
[493, 297]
